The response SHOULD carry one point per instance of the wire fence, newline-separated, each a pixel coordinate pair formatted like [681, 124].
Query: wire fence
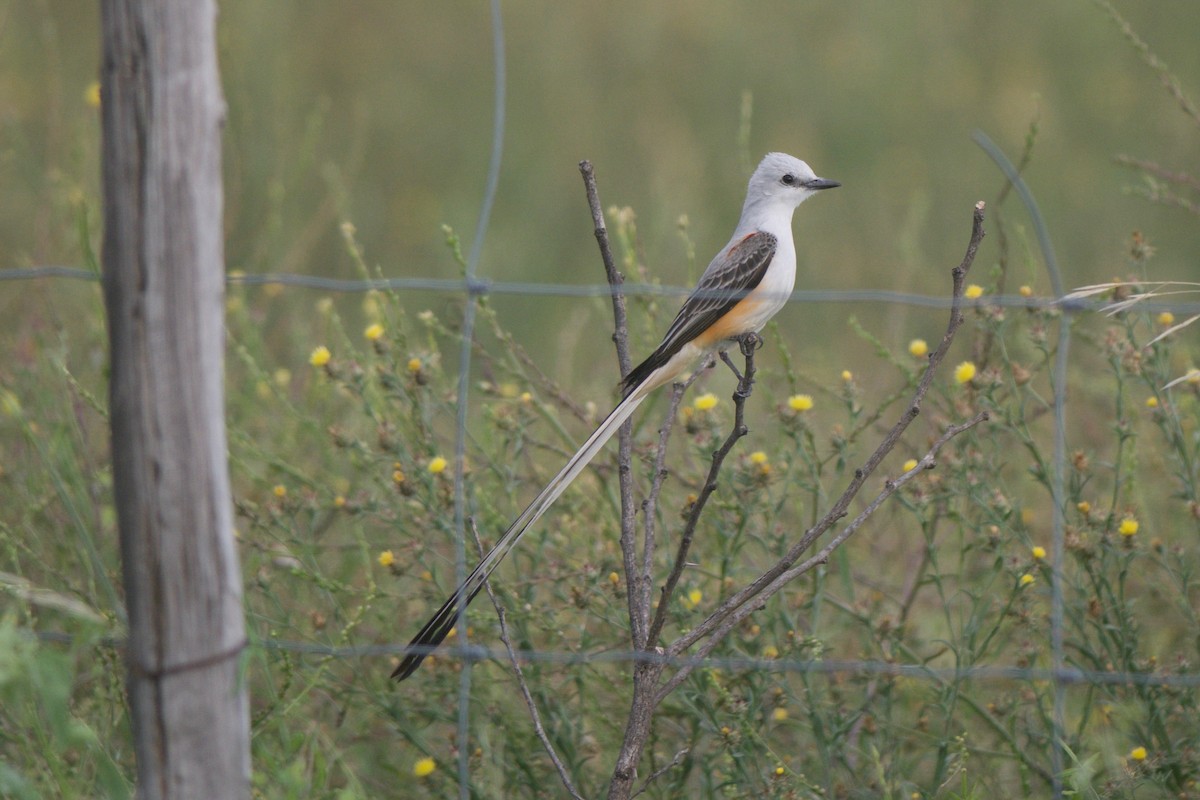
[475, 653]
[481, 287]
[1060, 676]
[471, 287]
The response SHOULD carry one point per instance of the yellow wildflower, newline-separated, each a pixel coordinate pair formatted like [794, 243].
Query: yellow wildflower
[770, 651]
[1151, 402]
[964, 372]
[1025, 291]
[800, 402]
[911, 464]
[91, 95]
[1138, 754]
[614, 578]
[424, 767]
[918, 347]
[847, 375]
[758, 457]
[279, 490]
[414, 365]
[1129, 526]
[1038, 552]
[779, 714]
[320, 356]
[973, 292]
[1166, 319]
[437, 464]
[1026, 579]
[1083, 506]
[705, 402]
[387, 558]
[373, 331]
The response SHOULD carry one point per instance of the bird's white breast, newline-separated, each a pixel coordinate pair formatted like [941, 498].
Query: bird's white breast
[776, 285]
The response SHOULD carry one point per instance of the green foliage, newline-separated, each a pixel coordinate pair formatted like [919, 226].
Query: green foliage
[343, 471]
[343, 475]
[50, 744]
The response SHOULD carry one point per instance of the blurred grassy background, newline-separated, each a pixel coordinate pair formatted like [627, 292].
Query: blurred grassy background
[381, 113]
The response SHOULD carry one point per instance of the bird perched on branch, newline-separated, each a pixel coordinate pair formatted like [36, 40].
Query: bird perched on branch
[747, 282]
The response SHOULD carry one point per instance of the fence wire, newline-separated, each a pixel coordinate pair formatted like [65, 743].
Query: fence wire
[464, 373]
[480, 287]
[472, 287]
[474, 653]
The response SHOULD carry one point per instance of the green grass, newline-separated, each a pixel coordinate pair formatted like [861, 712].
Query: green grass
[331, 464]
[331, 467]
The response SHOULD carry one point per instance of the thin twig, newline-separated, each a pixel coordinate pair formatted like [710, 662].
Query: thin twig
[679, 757]
[1160, 172]
[917, 576]
[821, 557]
[633, 592]
[516, 665]
[889, 488]
[748, 343]
[1169, 81]
[650, 504]
[615, 278]
[715, 622]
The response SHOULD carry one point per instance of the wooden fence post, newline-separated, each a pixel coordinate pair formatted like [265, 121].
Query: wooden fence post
[164, 275]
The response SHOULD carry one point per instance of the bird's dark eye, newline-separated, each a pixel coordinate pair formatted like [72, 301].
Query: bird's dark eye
[788, 180]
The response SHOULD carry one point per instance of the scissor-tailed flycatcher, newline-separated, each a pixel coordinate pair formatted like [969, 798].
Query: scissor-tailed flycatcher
[745, 285]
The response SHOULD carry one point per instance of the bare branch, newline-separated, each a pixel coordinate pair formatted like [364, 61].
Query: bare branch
[748, 343]
[676, 761]
[615, 278]
[822, 556]
[633, 591]
[650, 504]
[715, 625]
[1161, 172]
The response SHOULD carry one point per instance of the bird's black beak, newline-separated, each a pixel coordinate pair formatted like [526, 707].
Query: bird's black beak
[816, 184]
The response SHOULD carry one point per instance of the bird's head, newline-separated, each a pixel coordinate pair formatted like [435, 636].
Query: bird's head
[781, 178]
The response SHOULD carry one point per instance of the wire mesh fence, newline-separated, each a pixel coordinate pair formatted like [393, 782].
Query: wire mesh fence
[1059, 675]
[470, 289]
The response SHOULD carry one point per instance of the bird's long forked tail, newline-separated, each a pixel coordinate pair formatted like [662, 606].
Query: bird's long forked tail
[440, 625]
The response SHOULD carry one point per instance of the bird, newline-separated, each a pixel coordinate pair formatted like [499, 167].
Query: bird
[747, 283]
